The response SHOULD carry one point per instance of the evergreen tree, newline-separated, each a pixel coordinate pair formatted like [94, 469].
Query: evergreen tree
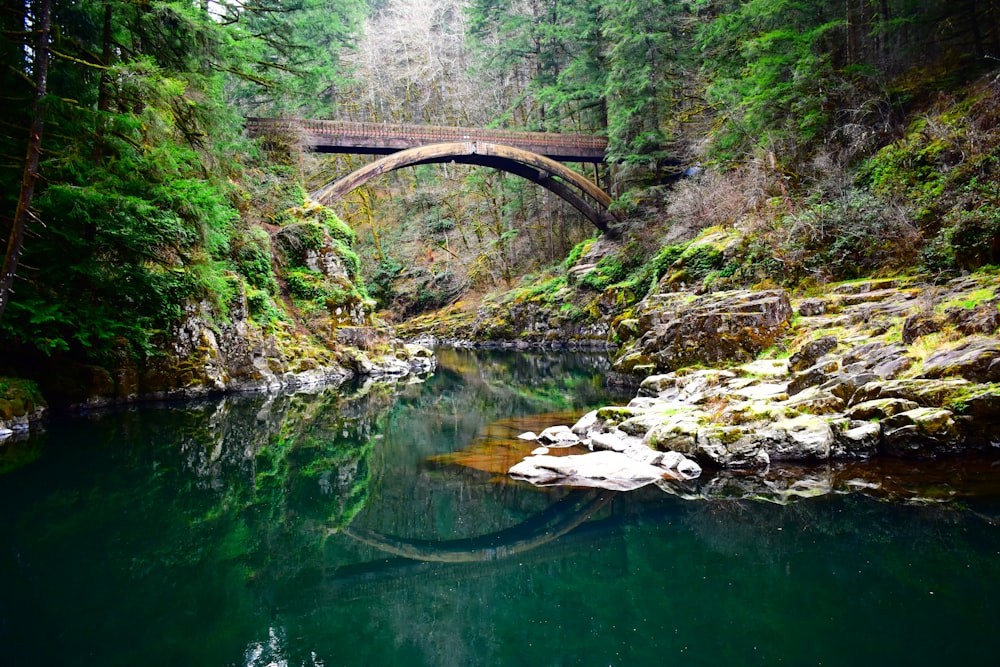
[137, 200]
[646, 56]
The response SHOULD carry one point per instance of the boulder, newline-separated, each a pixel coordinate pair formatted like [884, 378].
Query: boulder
[879, 408]
[802, 438]
[558, 436]
[730, 447]
[725, 326]
[816, 401]
[812, 307]
[921, 324]
[975, 360]
[608, 442]
[603, 469]
[922, 432]
[811, 352]
[923, 391]
[676, 431]
[587, 423]
[859, 440]
[655, 385]
[983, 319]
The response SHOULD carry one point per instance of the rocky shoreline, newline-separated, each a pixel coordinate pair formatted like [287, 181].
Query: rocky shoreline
[743, 380]
[204, 356]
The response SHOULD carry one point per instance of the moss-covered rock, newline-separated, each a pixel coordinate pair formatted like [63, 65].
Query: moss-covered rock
[726, 327]
[21, 405]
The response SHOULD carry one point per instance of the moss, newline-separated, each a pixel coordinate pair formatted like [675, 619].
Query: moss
[614, 415]
[19, 397]
[578, 251]
[969, 300]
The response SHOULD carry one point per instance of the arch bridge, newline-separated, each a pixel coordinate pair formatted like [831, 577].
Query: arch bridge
[535, 156]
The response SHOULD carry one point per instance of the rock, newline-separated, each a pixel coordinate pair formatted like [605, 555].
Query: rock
[816, 401]
[975, 360]
[811, 353]
[413, 350]
[587, 423]
[812, 307]
[528, 435]
[604, 469]
[885, 361]
[607, 441]
[776, 391]
[676, 431]
[921, 324]
[766, 368]
[860, 440]
[558, 436]
[639, 425]
[655, 385]
[643, 454]
[922, 391]
[983, 319]
[682, 464]
[922, 432]
[725, 326]
[812, 376]
[844, 385]
[613, 415]
[643, 402]
[806, 437]
[730, 447]
[879, 408]
[539, 451]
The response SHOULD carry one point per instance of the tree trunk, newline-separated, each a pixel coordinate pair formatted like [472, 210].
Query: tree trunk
[16, 241]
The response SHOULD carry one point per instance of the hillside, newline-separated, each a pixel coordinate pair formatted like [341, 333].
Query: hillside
[751, 144]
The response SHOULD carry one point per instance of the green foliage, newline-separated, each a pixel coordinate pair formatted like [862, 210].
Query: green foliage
[609, 270]
[307, 285]
[577, 252]
[946, 168]
[262, 308]
[774, 74]
[544, 291]
[252, 258]
[382, 281]
[643, 66]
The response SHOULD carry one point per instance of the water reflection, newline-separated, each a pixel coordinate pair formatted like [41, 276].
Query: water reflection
[226, 533]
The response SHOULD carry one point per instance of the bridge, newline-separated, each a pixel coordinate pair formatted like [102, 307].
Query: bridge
[535, 156]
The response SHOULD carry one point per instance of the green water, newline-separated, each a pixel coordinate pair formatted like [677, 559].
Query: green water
[240, 532]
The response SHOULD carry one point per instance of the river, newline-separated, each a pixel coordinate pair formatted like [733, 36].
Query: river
[374, 525]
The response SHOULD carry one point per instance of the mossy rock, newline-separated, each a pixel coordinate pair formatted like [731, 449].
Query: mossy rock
[19, 398]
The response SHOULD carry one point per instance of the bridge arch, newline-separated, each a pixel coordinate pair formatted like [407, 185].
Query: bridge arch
[546, 526]
[546, 172]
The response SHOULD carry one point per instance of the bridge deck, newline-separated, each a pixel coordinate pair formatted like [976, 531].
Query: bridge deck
[332, 136]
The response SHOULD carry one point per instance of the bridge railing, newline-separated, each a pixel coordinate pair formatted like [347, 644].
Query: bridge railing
[421, 133]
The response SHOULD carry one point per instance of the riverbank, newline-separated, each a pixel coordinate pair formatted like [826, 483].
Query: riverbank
[900, 368]
[207, 355]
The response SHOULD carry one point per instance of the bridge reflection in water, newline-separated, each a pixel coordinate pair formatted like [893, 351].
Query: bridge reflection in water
[559, 519]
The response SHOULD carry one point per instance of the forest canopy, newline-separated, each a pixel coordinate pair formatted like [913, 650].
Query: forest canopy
[869, 126]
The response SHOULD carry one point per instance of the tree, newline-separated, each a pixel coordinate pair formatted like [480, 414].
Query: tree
[40, 66]
[139, 195]
[645, 68]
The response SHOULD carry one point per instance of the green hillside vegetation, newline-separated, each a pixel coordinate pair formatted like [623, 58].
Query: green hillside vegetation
[760, 142]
